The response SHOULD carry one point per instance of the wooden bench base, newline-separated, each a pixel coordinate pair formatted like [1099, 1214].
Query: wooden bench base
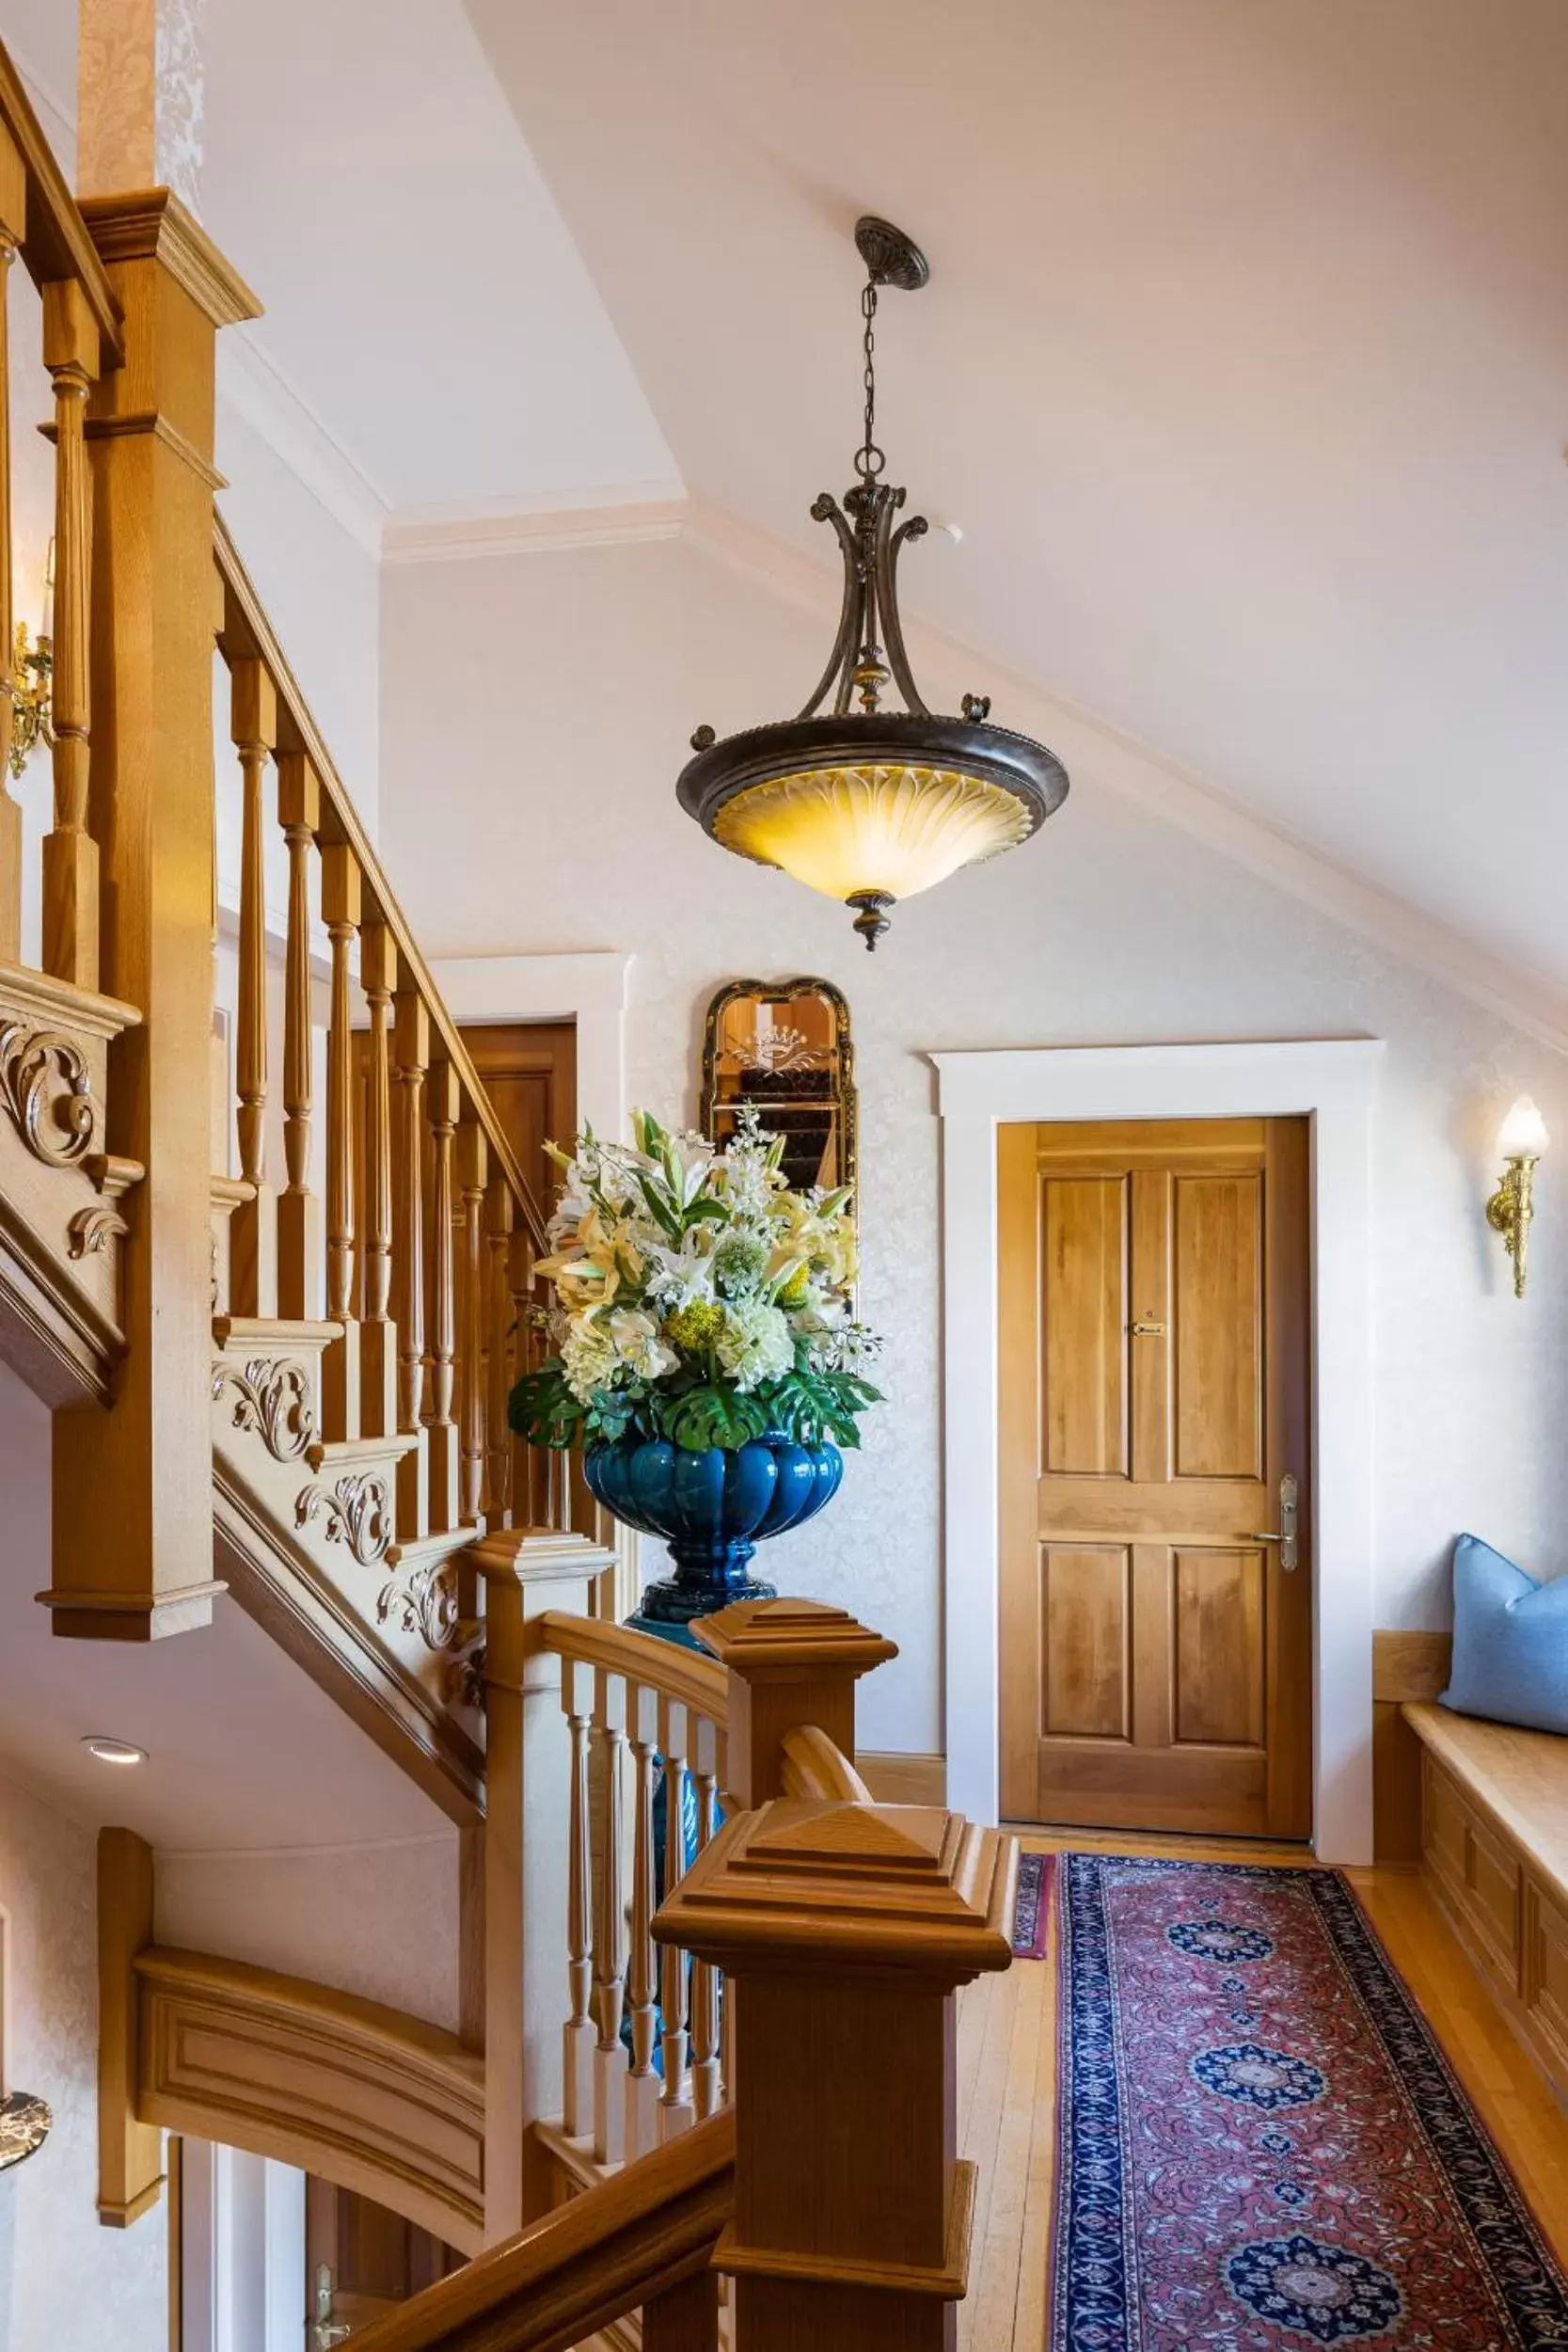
[1495, 1851]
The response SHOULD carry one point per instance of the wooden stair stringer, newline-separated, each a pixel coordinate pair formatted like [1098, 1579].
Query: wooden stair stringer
[304, 1534]
[61, 1224]
[277, 1582]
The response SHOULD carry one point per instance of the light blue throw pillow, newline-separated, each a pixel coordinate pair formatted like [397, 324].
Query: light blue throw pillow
[1509, 1642]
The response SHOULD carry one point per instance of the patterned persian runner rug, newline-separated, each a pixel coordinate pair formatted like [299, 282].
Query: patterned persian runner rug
[1032, 1914]
[1261, 2143]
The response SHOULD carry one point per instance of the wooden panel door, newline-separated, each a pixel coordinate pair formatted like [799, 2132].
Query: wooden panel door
[530, 1071]
[361, 2262]
[1156, 1649]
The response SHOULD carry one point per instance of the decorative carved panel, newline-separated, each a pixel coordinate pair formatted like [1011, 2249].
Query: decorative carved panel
[48, 1091]
[426, 1603]
[356, 1512]
[276, 1399]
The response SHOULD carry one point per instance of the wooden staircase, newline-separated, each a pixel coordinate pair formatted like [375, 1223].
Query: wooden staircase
[279, 1368]
[290, 1377]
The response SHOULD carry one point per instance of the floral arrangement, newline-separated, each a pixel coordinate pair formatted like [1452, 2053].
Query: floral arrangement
[699, 1299]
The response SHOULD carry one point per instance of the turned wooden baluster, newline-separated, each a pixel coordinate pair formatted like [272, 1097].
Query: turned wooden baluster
[498, 1372]
[706, 2084]
[578, 2066]
[69, 853]
[378, 1338]
[13, 224]
[253, 1233]
[441, 1430]
[676, 2112]
[609, 1928]
[299, 1224]
[412, 1042]
[473, 1175]
[341, 906]
[643, 2085]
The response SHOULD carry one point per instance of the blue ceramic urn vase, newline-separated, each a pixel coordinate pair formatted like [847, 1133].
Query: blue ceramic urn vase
[712, 1509]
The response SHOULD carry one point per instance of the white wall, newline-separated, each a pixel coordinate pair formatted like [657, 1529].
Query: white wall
[377, 1920]
[321, 590]
[527, 804]
[64, 2279]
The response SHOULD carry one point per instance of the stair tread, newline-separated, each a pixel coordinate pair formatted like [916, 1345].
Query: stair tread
[333, 1450]
[253, 1331]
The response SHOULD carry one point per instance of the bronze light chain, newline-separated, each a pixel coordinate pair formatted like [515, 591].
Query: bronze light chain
[869, 459]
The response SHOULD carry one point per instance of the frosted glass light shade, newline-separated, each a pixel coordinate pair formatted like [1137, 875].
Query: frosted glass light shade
[886, 827]
[1523, 1134]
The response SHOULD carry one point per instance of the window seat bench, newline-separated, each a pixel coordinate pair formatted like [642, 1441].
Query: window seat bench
[1495, 1851]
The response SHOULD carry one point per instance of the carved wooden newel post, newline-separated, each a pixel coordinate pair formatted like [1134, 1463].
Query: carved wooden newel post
[791, 1663]
[528, 1772]
[133, 1522]
[843, 1930]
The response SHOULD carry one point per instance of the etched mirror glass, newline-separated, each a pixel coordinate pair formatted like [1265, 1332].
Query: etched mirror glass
[783, 1047]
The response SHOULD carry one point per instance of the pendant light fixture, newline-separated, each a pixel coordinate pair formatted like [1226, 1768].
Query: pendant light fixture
[866, 805]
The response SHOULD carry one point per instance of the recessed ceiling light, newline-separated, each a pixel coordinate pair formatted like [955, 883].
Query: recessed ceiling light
[113, 1751]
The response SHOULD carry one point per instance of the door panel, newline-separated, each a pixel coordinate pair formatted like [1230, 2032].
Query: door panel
[1086, 1673]
[1084, 1371]
[1219, 1646]
[1216, 1309]
[1153, 1320]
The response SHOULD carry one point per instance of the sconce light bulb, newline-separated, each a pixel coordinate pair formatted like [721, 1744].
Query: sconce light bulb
[1523, 1135]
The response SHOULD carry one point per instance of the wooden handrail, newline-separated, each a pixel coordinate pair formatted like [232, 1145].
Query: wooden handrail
[815, 1767]
[676, 1672]
[618, 2246]
[56, 246]
[248, 635]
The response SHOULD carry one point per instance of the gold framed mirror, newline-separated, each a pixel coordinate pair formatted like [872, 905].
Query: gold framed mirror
[783, 1047]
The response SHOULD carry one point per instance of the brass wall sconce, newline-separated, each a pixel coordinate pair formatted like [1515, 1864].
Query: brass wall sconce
[33, 680]
[1521, 1140]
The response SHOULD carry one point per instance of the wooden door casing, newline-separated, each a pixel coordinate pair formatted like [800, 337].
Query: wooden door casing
[1153, 1319]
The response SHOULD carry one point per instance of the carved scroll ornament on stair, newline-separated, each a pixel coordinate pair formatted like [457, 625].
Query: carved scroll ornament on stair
[48, 1091]
[426, 1604]
[273, 1397]
[91, 1230]
[465, 1683]
[356, 1512]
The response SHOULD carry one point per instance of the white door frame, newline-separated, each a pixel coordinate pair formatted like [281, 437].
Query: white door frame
[1334, 1081]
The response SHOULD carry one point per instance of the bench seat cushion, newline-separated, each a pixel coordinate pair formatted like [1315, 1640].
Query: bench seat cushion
[1509, 1642]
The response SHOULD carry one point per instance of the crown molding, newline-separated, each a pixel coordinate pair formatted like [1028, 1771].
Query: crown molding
[251, 384]
[543, 523]
[1528, 999]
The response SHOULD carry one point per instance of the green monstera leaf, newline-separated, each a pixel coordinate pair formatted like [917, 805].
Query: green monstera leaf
[711, 1415]
[543, 1409]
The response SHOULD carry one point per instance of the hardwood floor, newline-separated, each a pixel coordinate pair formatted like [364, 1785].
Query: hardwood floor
[1007, 2069]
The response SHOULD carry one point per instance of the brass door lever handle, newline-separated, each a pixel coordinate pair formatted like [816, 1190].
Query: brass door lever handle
[1287, 1538]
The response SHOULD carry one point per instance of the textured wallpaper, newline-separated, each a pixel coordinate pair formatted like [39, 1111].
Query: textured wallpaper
[529, 805]
[64, 2279]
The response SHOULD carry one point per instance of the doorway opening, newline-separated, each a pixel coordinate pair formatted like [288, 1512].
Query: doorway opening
[1333, 1083]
